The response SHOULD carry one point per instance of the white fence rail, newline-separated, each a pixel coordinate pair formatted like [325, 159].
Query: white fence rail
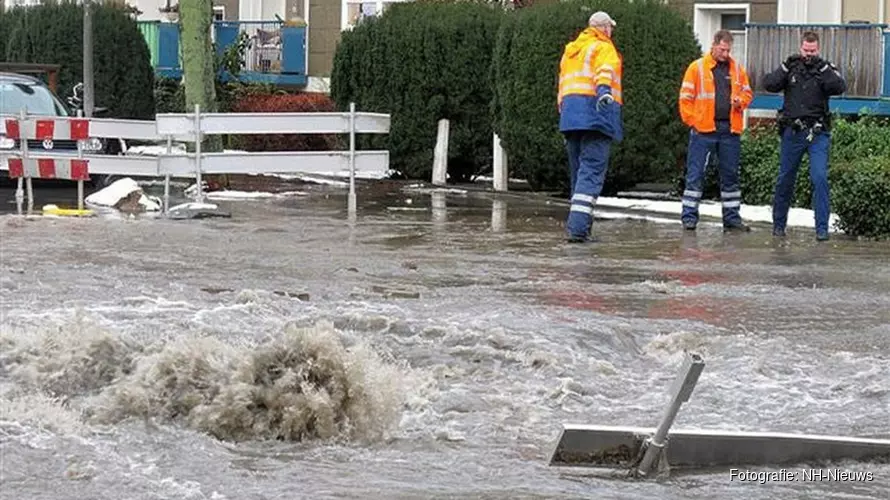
[194, 127]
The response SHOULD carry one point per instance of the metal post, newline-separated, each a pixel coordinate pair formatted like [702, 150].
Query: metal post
[30, 187]
[80, 181]
[23, 142]
[167, 177]
[681, 390]
[23, 147]
[198, 139]
[87, 59]
[351, 204]
[19, 195]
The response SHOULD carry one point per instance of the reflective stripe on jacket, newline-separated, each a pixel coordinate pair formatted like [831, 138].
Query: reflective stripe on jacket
[587, 62]
[697, 95]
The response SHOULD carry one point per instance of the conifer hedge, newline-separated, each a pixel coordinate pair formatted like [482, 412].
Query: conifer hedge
[53, 34]
[421, 62]
[656, 44]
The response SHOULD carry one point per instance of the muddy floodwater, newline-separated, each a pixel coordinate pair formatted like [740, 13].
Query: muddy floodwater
[432, 348]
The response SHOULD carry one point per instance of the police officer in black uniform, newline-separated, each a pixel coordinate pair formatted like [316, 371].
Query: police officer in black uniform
[805, 125]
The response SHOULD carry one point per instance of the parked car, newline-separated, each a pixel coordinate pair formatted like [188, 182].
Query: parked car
[21, 91]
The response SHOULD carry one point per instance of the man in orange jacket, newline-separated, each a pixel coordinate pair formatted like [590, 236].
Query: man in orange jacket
[589, 102]
[713, 98]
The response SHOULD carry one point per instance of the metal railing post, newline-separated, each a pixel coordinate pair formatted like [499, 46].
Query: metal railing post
[20, 182]
[198, 137]
[29, 185]
[80, 157]
[352, 204]
[167, 178]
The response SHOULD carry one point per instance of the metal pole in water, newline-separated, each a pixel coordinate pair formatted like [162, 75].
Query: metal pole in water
[198, 138]
[19, 195]
[352, 205]
[681, 390]
[167, 177]
[20, 183]
[80, 157]
[23, 142]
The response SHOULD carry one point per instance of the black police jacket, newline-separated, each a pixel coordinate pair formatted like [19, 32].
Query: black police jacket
[807, 83]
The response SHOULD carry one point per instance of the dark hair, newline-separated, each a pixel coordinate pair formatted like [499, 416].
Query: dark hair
[722, 36]
[809, 36]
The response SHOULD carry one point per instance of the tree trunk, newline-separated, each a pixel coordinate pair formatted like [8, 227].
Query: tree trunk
[195, 17]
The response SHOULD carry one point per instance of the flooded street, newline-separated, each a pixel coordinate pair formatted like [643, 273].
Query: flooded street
[453, 334]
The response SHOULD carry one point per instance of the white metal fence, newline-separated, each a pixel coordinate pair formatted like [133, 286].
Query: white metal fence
[193, 127]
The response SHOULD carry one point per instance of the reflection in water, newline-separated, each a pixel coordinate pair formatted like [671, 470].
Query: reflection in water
[498, 216]
[440, 210]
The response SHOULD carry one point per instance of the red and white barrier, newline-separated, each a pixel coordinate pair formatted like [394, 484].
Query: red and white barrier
[47, 168]
[73, 129]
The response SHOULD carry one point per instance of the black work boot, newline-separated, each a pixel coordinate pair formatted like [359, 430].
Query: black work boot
[741, 227]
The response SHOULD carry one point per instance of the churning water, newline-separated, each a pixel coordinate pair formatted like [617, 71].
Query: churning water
[432, 349]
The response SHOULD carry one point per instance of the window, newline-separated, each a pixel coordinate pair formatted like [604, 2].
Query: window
[356, 10]
[733, 22]
[219, 13]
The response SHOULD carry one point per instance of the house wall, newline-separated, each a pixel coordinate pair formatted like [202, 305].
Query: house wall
[762, 11]
[810, 11]
[861, 10]
[324, 34]
[231, 9]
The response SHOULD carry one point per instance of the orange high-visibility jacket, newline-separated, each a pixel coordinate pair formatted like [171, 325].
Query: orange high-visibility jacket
[588, 61]
[697, 95]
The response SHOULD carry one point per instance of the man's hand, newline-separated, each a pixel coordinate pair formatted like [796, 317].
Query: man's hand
[603, 97]
[736, 103]
[791, 62]
[603, 101]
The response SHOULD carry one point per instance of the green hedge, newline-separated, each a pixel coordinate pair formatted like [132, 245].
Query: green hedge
[53, 34]
[860, 195]
[656, 44]
[859, 174]
[422, 62]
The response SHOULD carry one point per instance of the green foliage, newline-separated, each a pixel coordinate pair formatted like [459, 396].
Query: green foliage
[861, 197]
[52, 33]
[859, 174]
[656, 45]
[422, 62]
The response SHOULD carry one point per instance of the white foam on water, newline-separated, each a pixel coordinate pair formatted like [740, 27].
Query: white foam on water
[298, 384]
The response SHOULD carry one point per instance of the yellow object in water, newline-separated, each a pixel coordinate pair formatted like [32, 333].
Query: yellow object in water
[67, 212]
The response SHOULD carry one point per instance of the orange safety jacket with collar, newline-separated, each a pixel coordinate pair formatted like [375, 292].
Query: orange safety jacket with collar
[697, 95]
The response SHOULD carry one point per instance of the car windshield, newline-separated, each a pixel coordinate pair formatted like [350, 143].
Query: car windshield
[37, 99]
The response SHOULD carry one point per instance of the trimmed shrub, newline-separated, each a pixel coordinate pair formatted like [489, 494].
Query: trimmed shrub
[294, 103]
[861, 197]
[53, 34]
[421, 62]
[656, 45]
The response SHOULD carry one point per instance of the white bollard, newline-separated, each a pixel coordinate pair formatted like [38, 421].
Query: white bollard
[499, 165]
[440, 154]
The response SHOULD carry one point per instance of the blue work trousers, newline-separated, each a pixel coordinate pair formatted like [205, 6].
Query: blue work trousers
[794, 145]
[727, 147]
[588, 159]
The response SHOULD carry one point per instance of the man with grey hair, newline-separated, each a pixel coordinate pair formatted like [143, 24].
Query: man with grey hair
[589, 102]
